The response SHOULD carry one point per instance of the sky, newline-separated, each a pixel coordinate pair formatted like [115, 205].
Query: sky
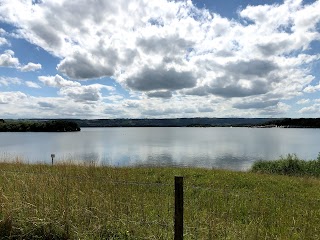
[159, 58]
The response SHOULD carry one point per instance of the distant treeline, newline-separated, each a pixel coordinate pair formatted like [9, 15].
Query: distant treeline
[169, 122]
[296, 122]
[199, 122]
[38, 126]
[172, 122]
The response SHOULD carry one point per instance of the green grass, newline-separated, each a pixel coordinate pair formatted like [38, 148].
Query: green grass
[70, 201]
[290, 165]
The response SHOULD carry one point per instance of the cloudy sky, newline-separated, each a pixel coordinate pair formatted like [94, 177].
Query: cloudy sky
[159, 58]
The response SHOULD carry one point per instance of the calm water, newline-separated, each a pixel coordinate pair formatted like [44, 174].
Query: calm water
[230, 148]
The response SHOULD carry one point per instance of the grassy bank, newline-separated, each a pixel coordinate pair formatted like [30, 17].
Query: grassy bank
[290, 165]
[86, 202]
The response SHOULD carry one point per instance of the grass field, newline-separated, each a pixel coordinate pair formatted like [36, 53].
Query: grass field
[69, 201]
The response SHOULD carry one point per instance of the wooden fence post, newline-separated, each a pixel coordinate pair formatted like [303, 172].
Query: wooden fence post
[178, 213]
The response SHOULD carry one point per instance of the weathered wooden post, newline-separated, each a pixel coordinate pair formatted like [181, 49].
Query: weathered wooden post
[178, 213]
[52, 157]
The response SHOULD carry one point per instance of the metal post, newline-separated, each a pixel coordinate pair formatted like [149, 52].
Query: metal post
[52, 157]
[178, 213]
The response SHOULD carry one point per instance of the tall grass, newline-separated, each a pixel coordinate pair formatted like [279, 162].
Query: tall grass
[289, 165]
[68, 201]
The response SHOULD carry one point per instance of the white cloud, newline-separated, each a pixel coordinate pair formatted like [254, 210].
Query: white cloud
[3, 41]
[32, 84]
[312, 89]
[303, 101]
[11, 97]
[278, 110]
[255, 104]
[171, 50]
[57, 81]
[314, 109]
[31, 67]
[89, 94]
[74, 90]
[7, 59]
[6, 81]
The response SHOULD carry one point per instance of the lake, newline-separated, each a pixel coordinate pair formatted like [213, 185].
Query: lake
[228, 148]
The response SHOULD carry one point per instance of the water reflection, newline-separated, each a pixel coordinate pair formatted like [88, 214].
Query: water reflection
[235, 148]
[89, 158]
[227, 161]
[164, 160]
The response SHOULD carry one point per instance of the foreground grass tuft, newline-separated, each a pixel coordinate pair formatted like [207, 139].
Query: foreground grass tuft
[289, 165]
[9, 229]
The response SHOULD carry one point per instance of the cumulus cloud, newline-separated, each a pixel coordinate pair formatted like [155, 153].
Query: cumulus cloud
[31, 67]
[314, 109]
[159, 112]
[85, 66]
[131, 104]
[113, 110]
[164, 45]
[255, 104]
[7, 59]
[161, 47]
[279, 109]
[11, 97]
[57, 81]
[303, 101]
[74, 90]
[311, 88]
[148, 79]
[88, 94]
[160, 94]
[6, 81]
[3, 41]
[32, 84]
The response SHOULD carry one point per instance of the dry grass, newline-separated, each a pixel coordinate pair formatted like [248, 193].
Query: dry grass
[68, 201]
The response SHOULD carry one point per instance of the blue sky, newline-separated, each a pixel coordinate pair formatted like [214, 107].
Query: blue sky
[159, 59]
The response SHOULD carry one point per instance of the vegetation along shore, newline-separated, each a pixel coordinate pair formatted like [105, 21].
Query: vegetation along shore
[191, 122]
[70, 201]
[38, 126]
